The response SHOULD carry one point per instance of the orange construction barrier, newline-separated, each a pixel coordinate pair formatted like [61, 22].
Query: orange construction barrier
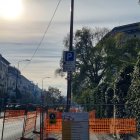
[53, 124]
[14, 114]
[100, 125]
[111, 125]
[30, 122]
[124, 126]
[92, 114]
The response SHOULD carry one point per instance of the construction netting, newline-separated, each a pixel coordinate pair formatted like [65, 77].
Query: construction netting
[12, 124]
[53, 124]
[19, 123]
[111, 125]
[23, 123]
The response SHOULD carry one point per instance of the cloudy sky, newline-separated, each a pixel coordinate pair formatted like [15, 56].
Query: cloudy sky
[23, 23]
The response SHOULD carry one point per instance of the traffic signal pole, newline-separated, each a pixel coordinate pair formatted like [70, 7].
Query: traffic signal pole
[69, 73]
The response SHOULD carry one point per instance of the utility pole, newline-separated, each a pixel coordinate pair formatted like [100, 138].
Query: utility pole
[69, 73]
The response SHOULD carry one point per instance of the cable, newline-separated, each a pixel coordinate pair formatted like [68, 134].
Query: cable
[39, 44]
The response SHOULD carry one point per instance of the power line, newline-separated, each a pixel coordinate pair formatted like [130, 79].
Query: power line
[46, 30]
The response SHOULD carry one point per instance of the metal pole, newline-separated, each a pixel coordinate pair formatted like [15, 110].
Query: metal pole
[42, 113]
[24, 124]
[3, 123]
[69, 74]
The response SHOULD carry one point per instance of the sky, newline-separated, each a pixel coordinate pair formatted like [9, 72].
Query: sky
[22, 27]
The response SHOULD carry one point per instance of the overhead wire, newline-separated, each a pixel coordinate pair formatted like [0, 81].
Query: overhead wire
[46, 30]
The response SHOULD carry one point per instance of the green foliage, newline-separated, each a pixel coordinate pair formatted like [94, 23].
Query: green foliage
[100, 101]
[89, 60]
[133, 97]
[119, 54]
[122, 87]
[54, 97]
[104, 67]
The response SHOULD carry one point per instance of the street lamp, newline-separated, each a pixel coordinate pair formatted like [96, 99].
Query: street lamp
[43, 80]
[17, 75]
[42, 113]
[22, 61]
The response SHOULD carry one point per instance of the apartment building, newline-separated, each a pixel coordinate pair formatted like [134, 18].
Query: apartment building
[14, 86]
[4, 64]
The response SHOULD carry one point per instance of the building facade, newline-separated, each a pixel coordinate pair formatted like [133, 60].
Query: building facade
[4, 64]
[15, 87]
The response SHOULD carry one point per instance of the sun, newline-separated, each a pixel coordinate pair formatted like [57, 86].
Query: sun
[11, 9]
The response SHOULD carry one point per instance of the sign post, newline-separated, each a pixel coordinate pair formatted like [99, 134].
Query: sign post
[69, 73]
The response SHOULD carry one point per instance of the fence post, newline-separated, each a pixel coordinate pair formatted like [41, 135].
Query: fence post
[3, 124]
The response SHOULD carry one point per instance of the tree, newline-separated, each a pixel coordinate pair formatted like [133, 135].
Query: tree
[100, 101]
[104, 66]
[119, 53]
[54, 97]
[122, 87]
[133, 97]
[89, 60]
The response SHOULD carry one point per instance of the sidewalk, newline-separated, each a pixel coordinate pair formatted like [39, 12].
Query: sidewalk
[105, 137]
[1, 115]
[93, 137]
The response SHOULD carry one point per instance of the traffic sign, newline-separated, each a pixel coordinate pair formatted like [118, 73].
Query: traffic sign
[52, 118]
[69, 60]
[69, 55]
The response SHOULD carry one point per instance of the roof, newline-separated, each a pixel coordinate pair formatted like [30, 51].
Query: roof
[4, 60]
[129, 28]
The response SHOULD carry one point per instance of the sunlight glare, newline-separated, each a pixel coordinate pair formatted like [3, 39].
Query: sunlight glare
[10, 9]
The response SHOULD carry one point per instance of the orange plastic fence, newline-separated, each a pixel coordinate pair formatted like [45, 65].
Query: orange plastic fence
[92, 114]
[111, 126]
[30, 122]
[124, 126]
[14, 114]
[99, 126]
[55, 127]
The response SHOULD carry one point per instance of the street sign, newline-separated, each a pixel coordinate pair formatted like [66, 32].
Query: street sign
[69, 56]
[69, 60]
[52, 118]
[75, 126]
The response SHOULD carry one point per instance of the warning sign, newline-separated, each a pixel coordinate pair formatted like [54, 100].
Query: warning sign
[52, 118]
